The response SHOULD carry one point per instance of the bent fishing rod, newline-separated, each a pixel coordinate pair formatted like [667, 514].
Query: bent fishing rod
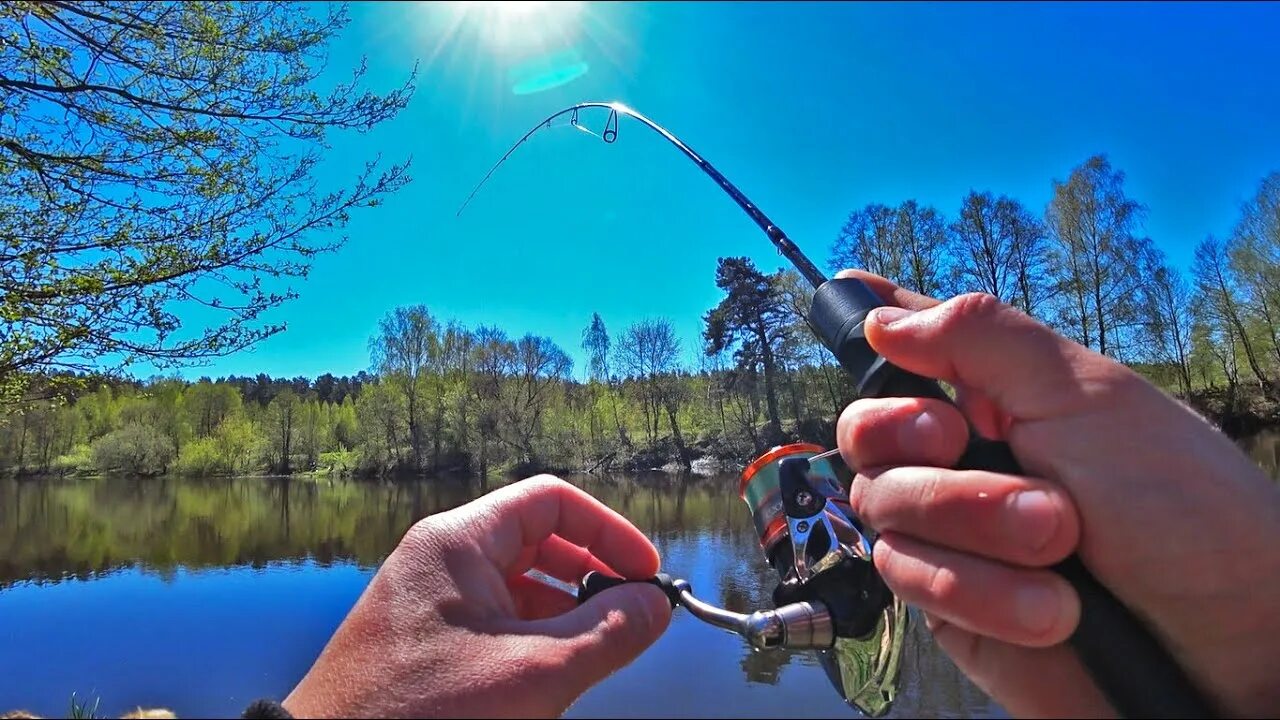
[1136, 673]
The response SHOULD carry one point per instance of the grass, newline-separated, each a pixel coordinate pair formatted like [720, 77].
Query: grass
[82, 710]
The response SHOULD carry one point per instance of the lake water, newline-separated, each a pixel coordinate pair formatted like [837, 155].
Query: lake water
[203, 595]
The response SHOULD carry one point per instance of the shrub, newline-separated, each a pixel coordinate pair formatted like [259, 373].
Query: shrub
[135, 449]
[79, 460]
[239, 444]
[339, 462]
[201, 458]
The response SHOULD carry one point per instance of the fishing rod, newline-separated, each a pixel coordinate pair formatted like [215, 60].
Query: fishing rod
[1136, 673]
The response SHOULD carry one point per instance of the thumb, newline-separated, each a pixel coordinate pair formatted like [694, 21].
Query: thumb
[976, 342]
[605, 633]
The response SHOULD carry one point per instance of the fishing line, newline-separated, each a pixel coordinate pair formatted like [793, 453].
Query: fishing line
[610, 134]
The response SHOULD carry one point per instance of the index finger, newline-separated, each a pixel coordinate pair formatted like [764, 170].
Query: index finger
[890, 292]
[525, 513]
[981, 413]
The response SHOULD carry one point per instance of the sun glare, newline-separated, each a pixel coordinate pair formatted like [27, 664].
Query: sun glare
[516, 7]
[508, 24]
[521, 47]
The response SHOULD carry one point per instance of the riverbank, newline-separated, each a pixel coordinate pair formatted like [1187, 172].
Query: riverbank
[1241, 418]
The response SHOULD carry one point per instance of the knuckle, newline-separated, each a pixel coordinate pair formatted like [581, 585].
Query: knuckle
[943, 586]
[973, 307]
[543, 483]
[435, 534]
[854, 429]
[925, 490]
[427, 529]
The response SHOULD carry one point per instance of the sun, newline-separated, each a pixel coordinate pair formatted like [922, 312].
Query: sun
[518, 8]
[520, 47]
[515, 24]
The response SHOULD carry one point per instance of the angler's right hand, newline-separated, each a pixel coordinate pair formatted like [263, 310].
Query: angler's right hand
[1164, 510]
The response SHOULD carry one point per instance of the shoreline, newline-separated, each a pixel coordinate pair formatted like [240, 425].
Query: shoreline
[706, 461]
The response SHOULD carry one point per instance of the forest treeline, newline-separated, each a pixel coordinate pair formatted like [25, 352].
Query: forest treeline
[443, 398]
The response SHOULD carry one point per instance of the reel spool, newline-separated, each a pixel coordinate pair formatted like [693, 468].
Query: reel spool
[811, 537]
[834, 570]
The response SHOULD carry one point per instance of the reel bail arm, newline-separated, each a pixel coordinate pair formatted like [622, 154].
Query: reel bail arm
[796, 626]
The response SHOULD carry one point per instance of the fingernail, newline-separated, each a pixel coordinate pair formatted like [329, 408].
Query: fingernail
[1033, 518]
[888, 315]
[925, 429]
[1037, 608]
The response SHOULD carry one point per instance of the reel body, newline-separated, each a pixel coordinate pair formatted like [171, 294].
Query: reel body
[810, 536]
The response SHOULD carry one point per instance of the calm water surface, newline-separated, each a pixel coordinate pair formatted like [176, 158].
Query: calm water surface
[202, 595]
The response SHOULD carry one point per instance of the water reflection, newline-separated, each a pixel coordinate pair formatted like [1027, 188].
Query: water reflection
[1264, 448]
[239, 549]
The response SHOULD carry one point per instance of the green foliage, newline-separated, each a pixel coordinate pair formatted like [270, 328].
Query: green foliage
[239, 443]
[77, 462]
[752, 321]
[339, 462]
[160, 156]
[281, 425]
[134, 449]
[200, 458]
[449, 399]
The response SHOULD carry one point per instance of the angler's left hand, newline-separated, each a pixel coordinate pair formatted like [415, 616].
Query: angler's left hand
[451, 626]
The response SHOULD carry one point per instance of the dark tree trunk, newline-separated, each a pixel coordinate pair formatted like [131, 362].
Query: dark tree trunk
[685, 462]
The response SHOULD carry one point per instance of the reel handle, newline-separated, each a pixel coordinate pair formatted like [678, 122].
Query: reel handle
[1135, 672]
[594, 583]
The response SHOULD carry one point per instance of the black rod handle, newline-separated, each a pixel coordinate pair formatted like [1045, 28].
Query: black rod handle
[1135, 672]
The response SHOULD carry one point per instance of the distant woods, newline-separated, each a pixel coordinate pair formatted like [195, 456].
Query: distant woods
[1083, 266]
[443, 398]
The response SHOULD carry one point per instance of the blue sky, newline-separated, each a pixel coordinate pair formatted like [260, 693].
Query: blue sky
[812, 109]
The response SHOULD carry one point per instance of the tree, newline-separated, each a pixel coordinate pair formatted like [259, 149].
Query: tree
[344, 424]
[403, 350]
[1000, 250]
[458, 351]
[208, 403]
[1091, 222]
[156, 157]
[753, 319]
[1030, 257]
[1254, 252]
[649, 351]
[380, 426]
[312, 433]
[491, 356]
[1219, 297]
[534, 365]
[595, 341]
[920, 235]
[238, 442]
[867, 241]
[161, 407]
[134, 449]
[984, 253]
[283, 428]
[1168, 303]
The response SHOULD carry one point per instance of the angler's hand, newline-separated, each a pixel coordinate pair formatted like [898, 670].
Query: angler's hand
[1162, 508]
[450, 625]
